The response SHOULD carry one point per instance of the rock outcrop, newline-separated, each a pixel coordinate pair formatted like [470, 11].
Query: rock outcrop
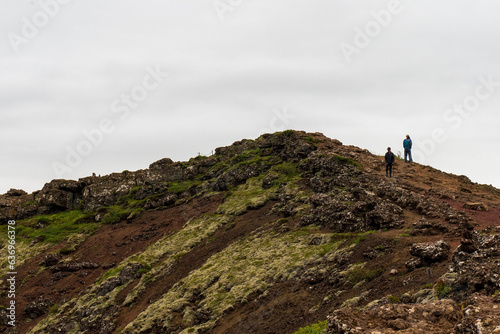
[479, 315]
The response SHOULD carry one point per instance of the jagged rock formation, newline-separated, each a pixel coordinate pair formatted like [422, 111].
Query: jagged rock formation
[473, 283]
[480, 315]
[265, 236]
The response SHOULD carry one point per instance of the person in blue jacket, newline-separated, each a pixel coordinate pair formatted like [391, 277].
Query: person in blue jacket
[407, 146]
[389, 161]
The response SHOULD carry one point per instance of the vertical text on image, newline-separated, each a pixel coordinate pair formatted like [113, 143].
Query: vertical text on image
[11, 275]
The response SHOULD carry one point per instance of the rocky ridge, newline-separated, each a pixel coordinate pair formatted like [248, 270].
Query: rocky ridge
[215, 244]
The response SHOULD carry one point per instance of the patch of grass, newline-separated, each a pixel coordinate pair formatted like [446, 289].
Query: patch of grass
[286, 133]
[442, 289]
[250, 195]
[230, 225]
[126, 207]
[54, 308]
[57, 227]
[287, 169]
[311, 140]
[261, 160]
[318, 328]
[68, 249]
[327, 248]
[178, 256]
[245, 158]
[110, 273]
[360, 273]
[359, 240]
[345, 161]
[183, 186]
[394, 299]
[282, 221]
[362, 237]
[145, 269]
[115, 214]
[199, 157]
[307, 230]
[407, 233]
[129, 200]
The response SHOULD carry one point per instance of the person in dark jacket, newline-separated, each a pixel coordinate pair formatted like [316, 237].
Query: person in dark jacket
[389, 161]
[407, 146]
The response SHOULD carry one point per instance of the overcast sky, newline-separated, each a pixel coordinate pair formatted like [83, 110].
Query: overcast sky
[111, 85]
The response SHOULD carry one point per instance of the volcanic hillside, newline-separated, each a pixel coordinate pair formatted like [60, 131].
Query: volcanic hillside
[291, 232]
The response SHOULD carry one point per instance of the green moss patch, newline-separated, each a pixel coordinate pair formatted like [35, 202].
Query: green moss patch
[345, 161]
[55, 228]
[250, 195]
[318, 328]
[357, 273]
[245, 267]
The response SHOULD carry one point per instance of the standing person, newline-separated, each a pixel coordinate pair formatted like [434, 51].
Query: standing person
[407, 146]
[389, 161]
